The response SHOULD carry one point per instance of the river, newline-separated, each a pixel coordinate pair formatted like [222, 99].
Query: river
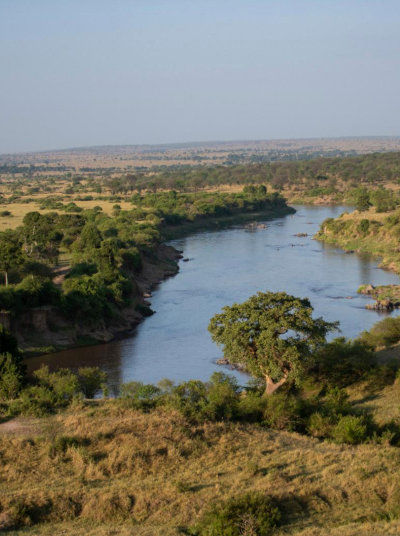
[228, 266]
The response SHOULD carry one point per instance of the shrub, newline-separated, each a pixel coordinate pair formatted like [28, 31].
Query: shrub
[139, 395]
[336, 402]
[132, 260]
[363, 226]
[82, 268]
[255, 514]
[319, 425]
[91, 380]
[350, 429]
[342, 361]
[283, 411]
[190, 398]
[63, 383]
[222, 397]
[251, 407]
[37, 268]
[384, 333]
[36, 400]
[34, 291]
[11, 377]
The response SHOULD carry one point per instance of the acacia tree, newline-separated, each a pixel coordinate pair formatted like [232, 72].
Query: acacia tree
[272, 334]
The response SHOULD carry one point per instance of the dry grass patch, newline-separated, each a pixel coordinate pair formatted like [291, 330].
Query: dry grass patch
[153, 473]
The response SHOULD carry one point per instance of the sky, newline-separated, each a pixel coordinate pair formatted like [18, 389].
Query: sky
[111, 72]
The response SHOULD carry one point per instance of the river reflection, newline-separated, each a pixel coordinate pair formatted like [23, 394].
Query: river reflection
[228, 266]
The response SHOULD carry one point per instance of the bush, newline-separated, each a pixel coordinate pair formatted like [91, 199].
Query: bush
[82, 268]
[384, 333]
[37, 268]
[11, 377]
[350, 429]
[91, 380]
[283, 411]
[36, 400]
[319, 425]
[139, 395]
[190, 398]
[132, 260]
[255, 514]
[342, 362]
[336, 402]
[251, 407]
[34, 291]
[63, 383]
[215, 400]
[363, 226]
[222, 397]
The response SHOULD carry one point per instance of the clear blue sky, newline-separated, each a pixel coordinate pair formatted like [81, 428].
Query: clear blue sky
[93, 72]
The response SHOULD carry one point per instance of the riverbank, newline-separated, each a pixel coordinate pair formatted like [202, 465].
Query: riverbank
[171, 232]
[53, 332]
[366, 232]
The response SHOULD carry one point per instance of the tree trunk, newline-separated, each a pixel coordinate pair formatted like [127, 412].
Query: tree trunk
[271, 386]
[6, 278]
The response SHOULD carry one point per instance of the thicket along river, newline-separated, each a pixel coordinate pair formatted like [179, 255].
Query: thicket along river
[228, 266]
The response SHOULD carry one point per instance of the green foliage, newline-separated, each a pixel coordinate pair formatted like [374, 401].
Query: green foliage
[11, 377]
[382, 334]
[283, 412]
[342, 362]
[362, 199]
[11, 254]
[34, 291]
[363, 226]
[63, 383]
[82, 268]
[254, 514]
[215, 400]
[383, 200]
[350, 429]
[139, 395]
[319, 425]
[91, 380]
[35, 400]
[273, 334]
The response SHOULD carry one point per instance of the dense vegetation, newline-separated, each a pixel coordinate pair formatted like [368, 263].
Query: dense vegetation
[311, 178]
[105, 253]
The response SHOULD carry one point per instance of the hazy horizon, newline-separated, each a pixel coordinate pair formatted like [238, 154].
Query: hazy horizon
[94, 73]
[200, 142]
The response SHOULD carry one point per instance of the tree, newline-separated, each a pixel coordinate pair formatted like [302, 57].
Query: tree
[273, 334]
[10, 252]
[362, 200]
[12, 368]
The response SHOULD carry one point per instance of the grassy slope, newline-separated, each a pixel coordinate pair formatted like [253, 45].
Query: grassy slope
[380, 240]
[149, 474]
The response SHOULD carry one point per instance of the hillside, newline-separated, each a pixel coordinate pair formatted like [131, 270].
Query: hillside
[100, 469]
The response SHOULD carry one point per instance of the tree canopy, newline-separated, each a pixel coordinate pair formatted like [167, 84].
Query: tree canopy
[272, 334]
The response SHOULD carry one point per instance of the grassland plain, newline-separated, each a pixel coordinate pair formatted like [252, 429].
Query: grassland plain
[101, 469]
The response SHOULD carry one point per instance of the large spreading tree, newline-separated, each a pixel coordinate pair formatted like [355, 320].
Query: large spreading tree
[272, 334]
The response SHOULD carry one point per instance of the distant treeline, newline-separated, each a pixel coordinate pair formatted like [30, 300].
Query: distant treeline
[371, 168]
